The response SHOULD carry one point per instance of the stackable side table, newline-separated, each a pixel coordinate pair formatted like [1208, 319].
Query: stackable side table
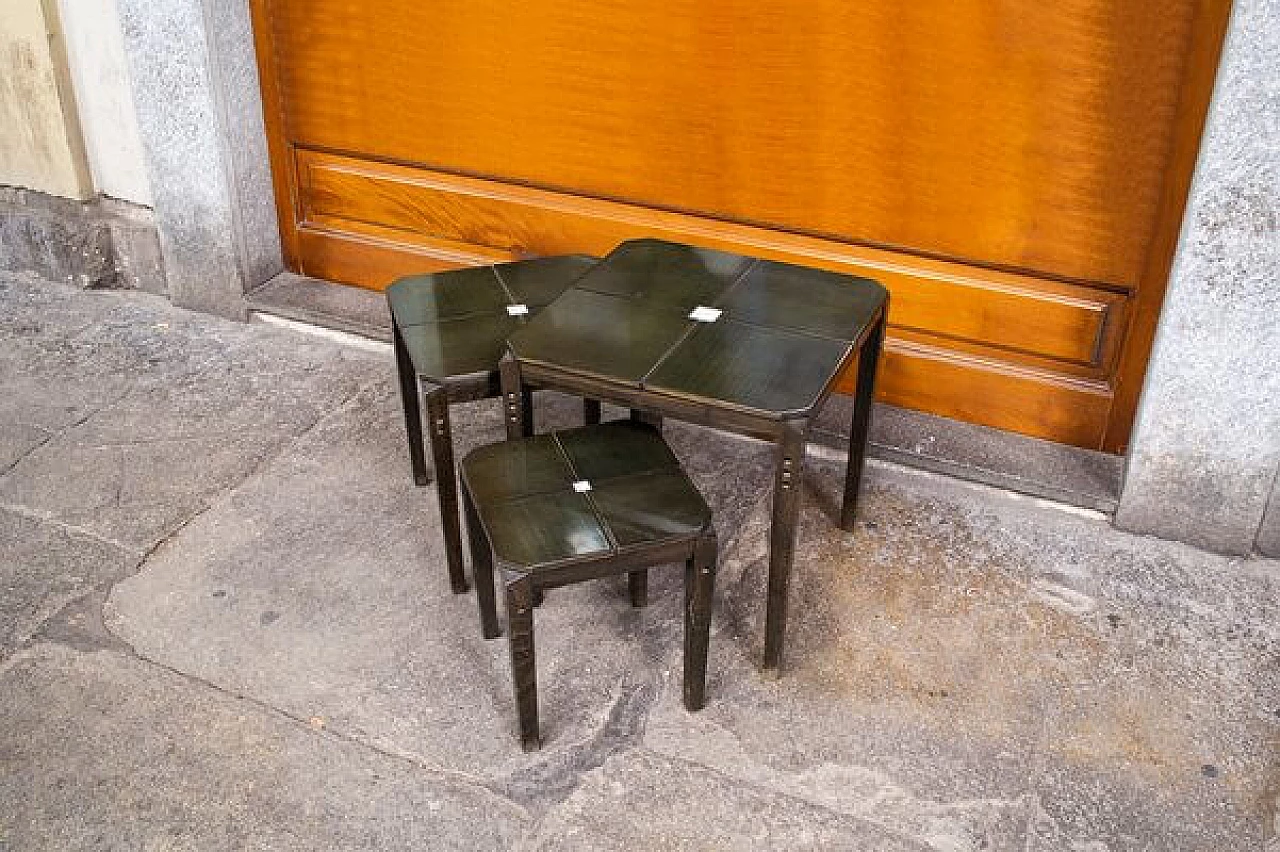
[449, 329]
[577, 505]
[750, 346]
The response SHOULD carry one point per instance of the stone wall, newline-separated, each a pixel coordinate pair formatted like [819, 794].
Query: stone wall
[104, 100]
[195, 79]
[1206, 449]
[73, 189]
[40, 144]
[101, 243]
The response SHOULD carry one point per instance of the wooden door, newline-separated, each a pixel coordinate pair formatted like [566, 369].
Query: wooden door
[1014, 172]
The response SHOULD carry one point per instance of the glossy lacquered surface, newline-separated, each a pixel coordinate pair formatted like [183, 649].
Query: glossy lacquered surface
[782, 333]
[450, 329]
[524, 491]
[456, 323]
[577, 505]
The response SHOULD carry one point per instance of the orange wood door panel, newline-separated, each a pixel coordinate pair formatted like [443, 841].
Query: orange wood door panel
[1049, 320]
[367, 255]
[968, 383]
[1013, 172]
[1027, 135]
[993, 393]
[997, 348]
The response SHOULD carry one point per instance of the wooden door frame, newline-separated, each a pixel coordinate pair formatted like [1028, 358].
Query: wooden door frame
[284, 177]
[1210, 22]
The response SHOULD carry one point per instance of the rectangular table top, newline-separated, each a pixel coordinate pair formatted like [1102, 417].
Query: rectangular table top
[727, 330]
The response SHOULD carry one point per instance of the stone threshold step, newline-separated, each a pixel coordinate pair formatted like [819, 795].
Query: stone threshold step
[1065, 474]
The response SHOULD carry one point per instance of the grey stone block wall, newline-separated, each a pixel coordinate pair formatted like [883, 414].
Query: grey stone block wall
[1202, 465]
[195, 83]
[1269, 534]
[102, 243]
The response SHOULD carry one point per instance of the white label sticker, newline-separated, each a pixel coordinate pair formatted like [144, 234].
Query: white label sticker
[703, 314]
[581, 485]
[517, 310]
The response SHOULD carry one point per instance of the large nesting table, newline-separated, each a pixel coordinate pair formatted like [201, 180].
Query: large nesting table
[731, 342]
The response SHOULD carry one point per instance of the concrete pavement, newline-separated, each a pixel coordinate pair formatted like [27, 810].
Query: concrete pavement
[225, 624]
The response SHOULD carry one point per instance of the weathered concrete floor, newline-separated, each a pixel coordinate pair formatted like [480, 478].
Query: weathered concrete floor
[224, 624]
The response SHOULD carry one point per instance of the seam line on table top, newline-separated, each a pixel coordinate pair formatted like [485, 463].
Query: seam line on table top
[731, 317]
[511, 296]
[559, 489]
[573, 282]
[595, 507]
[787, 329]
[693, 325]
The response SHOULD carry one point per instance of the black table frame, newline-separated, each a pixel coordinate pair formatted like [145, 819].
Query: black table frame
[439, 394]
[788, 433]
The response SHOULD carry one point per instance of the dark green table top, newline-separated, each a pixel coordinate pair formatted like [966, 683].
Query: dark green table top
[582, 492]
[456, 323]
[780, 336]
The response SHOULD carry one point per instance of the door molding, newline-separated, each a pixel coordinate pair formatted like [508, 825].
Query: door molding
[1089, 342]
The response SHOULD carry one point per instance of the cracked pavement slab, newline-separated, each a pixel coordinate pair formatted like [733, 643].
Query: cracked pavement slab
[319, 586]
[980, 669]
[104, 751]
[967, 670]
[43, 567]
[640, 800]
[129, 415]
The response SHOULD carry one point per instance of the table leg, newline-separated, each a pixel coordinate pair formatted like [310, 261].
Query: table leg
[699, 586]
[524, 670]
[868, 362]
[638, 588]
[782, 537]
[412, 411]
[591, 412]
[651, 417]
[482, 568]
[513, 398]
[446, 484]
[526, 413]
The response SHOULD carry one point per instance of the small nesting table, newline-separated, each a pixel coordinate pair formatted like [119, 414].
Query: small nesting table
[577, 505]
[449, 329]
[747, 345]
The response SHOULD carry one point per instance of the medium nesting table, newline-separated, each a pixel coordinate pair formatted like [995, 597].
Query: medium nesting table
[750, 346]
[449, 329]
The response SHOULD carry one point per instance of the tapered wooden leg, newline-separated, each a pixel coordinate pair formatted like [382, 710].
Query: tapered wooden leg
[868, 361]
[408, 377]
[699, 591]
[446, 484]
[590, 412]
[526, 413]
[782, 538]
[513, 407]
[524, 672]
[638, 587]
[481, 568]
